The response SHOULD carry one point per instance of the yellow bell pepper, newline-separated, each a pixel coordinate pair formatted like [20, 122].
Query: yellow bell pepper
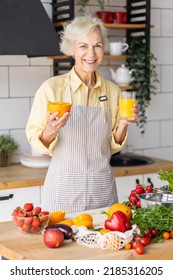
[83, 220]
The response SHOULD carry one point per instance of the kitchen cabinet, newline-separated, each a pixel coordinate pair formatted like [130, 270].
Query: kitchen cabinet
[11, 198]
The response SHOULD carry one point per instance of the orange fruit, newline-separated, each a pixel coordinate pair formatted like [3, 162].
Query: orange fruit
[120, 207]
[61, 107]
[56, 217]
[67, 222]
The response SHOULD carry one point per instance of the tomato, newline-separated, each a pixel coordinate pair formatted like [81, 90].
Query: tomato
[139, 189]
[145, 241]
[134, 244]
[149, 189]
[154, 232]
[28, 207]
[171, 234]
[139, 249]
[165, 235]
[128, 246]
[147, 233]
[133, 198]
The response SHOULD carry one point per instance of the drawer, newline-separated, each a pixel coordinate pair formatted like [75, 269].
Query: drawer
[10, 199]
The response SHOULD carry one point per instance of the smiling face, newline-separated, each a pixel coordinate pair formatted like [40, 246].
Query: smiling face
[88, 53]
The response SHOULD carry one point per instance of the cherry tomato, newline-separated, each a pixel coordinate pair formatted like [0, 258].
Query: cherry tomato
[145, 241]
[128, 246]
[139, 189]
[171, 234]
[147, 233]
[165, 235]
[133, 198]
[134, 244]
[139, 249]
[154, 231]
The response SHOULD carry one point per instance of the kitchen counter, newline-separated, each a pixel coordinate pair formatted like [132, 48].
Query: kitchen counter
[19, 176]
[15, 245]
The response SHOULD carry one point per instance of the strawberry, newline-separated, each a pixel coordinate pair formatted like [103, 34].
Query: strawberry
[28, 207]
[36, 222]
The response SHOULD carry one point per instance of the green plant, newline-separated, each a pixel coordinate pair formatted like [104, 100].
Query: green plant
[83, 4]
[7, 144]
[144, 75]
[102, 4]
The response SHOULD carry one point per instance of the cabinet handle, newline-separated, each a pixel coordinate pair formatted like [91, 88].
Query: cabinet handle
[137, 181]
[6, 197]
[151, 183]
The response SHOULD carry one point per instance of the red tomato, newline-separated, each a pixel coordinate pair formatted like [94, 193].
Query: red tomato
[147, 233]
[134, 244]
[139, 189]
[139, 249]
[171, 234]
[145, 241]
[28, 207]
[154, 232]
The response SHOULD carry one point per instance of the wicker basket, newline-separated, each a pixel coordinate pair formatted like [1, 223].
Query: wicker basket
[5, 159]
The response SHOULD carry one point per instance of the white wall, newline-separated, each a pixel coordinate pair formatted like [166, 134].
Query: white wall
[20, 77]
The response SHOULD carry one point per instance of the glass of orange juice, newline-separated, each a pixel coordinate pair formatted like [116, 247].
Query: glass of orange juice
[126, 102]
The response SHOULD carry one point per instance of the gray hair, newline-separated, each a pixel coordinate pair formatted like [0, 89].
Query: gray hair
[81, 26]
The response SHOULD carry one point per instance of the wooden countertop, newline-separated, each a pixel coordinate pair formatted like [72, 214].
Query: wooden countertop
[19, 176]
[15, 245]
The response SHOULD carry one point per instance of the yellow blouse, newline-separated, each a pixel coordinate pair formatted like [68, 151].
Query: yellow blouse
[53, 90]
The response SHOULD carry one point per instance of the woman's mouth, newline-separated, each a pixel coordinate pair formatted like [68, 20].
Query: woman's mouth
[90, 61]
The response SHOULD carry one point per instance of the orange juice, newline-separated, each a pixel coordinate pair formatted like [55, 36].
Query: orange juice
[126, 102]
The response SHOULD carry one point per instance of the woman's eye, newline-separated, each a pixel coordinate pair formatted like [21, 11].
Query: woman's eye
[83, 46]
[98, 46]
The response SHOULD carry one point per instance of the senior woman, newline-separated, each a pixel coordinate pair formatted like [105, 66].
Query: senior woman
[80, 142]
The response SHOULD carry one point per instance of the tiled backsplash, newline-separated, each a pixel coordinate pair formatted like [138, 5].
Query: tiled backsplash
[20, 77]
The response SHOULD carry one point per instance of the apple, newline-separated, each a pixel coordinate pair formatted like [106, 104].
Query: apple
[53, 237]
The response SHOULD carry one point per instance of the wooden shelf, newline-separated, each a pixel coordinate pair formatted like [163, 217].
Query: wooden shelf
[127, 88]
[106, 56]
[126, 26]
[112, 25]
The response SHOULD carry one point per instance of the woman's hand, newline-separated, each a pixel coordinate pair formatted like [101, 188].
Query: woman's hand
[53, 126]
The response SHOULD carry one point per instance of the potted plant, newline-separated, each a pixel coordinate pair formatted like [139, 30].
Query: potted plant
[83, 4]
[144, 76]
[7, 148]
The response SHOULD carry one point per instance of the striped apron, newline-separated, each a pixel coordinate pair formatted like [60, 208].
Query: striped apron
[79, 175]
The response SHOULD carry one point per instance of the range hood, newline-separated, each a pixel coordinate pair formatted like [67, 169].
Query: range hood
[25, 29]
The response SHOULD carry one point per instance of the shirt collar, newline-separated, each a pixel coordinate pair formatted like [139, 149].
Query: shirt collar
[75, 81]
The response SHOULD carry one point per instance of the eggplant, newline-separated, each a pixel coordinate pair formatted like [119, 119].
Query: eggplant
[65, 229]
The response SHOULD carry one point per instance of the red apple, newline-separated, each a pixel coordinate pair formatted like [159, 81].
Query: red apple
[53, 237]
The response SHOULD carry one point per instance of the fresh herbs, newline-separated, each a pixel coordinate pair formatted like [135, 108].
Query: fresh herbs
[166, 176]
[158, 217]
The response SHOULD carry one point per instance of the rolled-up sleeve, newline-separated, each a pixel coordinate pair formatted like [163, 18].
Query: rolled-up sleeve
[37, 121]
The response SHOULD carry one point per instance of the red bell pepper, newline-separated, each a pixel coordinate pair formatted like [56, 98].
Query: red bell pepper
[118, 222]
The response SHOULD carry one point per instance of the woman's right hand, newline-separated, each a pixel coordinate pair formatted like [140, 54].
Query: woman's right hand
[53, 126]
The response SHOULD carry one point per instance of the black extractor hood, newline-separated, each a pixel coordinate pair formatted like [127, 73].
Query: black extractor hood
[25, 29]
